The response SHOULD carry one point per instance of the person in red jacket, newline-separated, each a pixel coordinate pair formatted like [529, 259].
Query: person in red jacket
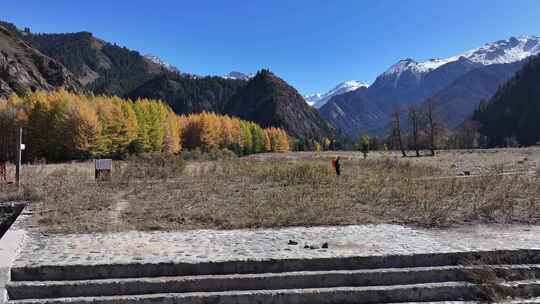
[337, 165]
[3, 171]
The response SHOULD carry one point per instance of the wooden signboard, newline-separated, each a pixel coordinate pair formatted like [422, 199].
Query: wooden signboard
[103, 169]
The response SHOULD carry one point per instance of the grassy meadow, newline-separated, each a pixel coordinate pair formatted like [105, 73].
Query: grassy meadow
[163, 192]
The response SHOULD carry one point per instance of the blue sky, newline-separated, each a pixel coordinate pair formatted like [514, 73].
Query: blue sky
[312, 44]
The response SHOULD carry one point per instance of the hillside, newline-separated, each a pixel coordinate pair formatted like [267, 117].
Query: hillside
[270, 101]
[24, 68]
[513, 113]
[460, 98]
[105, 68]
[100, 66]
[187, 94]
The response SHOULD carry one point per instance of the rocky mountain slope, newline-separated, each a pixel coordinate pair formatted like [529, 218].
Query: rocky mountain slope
[100, 66]
[25, 68]
[409, 82]
[270, 101]
[512, 114]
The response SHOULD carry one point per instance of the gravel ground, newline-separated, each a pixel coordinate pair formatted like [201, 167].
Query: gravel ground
[197, 246]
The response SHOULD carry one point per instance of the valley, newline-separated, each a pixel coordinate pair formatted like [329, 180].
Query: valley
[457, 85]
[299, 152]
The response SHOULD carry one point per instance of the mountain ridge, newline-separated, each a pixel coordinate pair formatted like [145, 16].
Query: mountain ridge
[320, 99]
[275, 103]
[106, 68]
[409, 82]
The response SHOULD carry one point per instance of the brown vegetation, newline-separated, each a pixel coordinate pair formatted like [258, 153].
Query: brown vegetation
[168, 193]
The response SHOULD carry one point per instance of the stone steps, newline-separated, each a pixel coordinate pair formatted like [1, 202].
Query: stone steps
[357, 295]
[447, 291]
[264, 281]
[371, 279]
[143, 270]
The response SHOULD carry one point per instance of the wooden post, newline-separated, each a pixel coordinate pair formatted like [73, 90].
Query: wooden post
[18, 159]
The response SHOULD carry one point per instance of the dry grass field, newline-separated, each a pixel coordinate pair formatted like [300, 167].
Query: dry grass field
[291, 189]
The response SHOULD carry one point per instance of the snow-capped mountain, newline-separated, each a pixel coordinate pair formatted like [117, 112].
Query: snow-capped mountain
[238, 76]
[157, 60]
[458, 82]
[500, 52]
[318, 100]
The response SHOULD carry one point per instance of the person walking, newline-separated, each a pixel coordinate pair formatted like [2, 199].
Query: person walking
[337, 165]
[3, 171]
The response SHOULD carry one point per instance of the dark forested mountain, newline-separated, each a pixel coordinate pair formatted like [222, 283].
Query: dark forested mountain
[367, 110]
[270, 101]
[188, 94]
[25, 68]
[461, 97]
[105, 68]
[100, 66]
[513, 114]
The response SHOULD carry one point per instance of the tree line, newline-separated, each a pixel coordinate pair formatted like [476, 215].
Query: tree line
[61, 125]
[421, 128]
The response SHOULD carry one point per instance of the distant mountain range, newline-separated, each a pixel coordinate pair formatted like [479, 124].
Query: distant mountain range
[459, 83]
[82, 62]
[318, 100]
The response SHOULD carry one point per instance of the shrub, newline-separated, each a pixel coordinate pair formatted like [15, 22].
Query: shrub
[150, 166]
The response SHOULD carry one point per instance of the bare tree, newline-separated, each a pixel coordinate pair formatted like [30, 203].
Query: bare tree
[467, 136]
[434, 125]
[414, 119]
[396, 128]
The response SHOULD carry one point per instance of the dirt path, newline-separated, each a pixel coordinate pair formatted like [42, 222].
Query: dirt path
[119, 206]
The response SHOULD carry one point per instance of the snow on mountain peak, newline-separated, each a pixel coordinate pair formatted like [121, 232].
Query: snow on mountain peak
[238, 76]
[503, 51]
[157, 60]
[318, 100]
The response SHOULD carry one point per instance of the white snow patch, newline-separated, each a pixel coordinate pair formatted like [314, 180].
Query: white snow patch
[157, 60]
[318, 100]
[500, 52]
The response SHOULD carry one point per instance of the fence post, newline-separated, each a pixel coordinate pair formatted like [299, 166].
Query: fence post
[18, 158]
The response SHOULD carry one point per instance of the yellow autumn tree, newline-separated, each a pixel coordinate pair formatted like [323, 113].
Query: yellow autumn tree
[172, 134]
[84, 128]
[61, 125]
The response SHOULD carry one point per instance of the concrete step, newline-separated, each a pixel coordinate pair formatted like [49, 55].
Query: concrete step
[513, 301]
[286, 280]
[88, 272]
[447, 291]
